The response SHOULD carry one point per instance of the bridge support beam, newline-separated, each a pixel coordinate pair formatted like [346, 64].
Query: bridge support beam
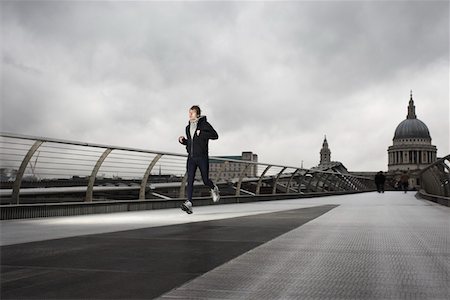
[241, 176]
[21, 171]
[308, 187]
[146, 175]
[319, 180]
[90, 188]
[290, 180]
[302, 181]
[274, 190]
[258, 186]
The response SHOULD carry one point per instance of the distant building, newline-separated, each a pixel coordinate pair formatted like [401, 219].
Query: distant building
[227, 170]
[8, 174]
[325, 153]
[411, 150]
[325, 163]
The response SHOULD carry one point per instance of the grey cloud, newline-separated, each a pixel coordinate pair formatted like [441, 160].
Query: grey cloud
[276, 71]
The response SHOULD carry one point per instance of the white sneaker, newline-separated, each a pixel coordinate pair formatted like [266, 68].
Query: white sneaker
[187, 207]
[215, 194]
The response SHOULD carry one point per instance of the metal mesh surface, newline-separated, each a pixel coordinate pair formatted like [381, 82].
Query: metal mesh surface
[389, 246]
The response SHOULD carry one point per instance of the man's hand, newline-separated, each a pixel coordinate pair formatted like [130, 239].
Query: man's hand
[181, 139]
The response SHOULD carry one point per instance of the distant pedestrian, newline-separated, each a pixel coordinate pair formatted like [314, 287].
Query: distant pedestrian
[395, 183]
[404, 181]
[198, 134]
[379, 181]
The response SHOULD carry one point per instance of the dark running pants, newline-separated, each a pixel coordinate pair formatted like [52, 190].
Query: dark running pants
[380, 187]
[192, 164]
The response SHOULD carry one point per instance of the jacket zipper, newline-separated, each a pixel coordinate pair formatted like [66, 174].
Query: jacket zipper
[192, 145]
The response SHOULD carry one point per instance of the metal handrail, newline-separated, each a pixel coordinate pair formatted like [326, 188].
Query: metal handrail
[435, 179]
[75, 143]
[173, 162]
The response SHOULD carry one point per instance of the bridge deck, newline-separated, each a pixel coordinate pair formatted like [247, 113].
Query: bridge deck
[363, 246]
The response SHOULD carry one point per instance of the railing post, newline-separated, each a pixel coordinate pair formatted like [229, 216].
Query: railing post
[90, 188]
[302, 179]
[308, 187]
[319, 181]
[241, 176]
[274, 189]
[332, 182]
[339, 181]
[327, 182]
[258, 186]
[290, 180]
[439, 188]
[21, 171]
[447, 180]
[146, 175]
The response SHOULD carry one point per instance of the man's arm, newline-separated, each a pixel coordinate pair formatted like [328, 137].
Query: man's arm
[209, 132]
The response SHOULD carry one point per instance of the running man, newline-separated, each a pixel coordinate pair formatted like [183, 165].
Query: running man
[198, 134]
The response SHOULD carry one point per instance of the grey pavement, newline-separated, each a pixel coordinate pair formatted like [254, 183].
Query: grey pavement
[373, 246]
[369, 246]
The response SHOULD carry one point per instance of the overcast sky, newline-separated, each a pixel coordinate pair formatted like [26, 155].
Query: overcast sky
[272, 77]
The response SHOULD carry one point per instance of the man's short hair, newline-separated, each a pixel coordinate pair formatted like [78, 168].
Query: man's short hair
[197, 109]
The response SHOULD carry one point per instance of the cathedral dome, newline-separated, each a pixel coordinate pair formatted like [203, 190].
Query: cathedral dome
[412, 128]
[411, 149]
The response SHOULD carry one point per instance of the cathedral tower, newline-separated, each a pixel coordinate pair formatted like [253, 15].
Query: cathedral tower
[325, 153]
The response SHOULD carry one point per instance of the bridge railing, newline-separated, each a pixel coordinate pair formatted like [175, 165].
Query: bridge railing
[38, 169]
[435, 181]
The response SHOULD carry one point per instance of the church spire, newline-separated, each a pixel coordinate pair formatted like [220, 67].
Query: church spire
[411, 108]
[325, 153]
[325, 142]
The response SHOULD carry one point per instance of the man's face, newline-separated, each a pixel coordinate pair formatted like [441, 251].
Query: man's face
[192, 114]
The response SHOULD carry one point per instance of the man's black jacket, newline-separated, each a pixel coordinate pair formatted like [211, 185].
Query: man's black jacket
[380, 179]
[197, 146]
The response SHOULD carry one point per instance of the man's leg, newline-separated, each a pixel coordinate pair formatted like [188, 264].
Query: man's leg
[380, 188]
[191, 167]
[203, 164]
